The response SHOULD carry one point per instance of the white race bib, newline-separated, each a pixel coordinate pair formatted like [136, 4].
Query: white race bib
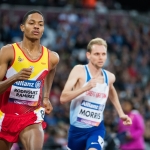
[90, 113]
[40, 113]
[25, 92]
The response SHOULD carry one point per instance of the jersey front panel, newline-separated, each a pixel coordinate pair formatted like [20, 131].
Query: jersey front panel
[86, 110]
[25, 96]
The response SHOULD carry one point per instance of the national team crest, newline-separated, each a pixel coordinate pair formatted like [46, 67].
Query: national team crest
[20, 59]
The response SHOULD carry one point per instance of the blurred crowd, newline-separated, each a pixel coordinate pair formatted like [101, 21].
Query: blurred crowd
[68, 34]
[62, 3]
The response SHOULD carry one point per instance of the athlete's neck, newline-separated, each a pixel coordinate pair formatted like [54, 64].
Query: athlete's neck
[31, 45]
[94, 70]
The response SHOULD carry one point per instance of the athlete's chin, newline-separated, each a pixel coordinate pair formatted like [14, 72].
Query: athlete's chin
[99, 65]
[35, 38]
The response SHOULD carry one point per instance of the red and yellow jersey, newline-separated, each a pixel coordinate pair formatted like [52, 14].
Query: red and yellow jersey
[25, 96]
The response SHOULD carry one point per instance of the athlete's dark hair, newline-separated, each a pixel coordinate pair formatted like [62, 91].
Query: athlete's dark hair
[29, 13]
[130, 102]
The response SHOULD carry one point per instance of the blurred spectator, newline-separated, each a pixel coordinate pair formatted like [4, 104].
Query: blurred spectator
[147, 133]
[89, 3]
[50, 143]
[109, 143]
[4, 28]
[15, 33]
[56, 137]
[131, 137]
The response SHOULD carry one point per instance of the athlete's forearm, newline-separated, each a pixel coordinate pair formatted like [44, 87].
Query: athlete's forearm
[68, 96]
[48, 83]
[4, 85]
[114, 99]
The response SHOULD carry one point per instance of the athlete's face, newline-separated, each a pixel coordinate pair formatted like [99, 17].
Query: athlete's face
[34, 26]
[97, 56]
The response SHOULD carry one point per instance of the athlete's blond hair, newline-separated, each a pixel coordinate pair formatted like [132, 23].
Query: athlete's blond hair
[98, 41]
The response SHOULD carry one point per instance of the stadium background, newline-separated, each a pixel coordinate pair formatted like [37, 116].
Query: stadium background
[70, 25]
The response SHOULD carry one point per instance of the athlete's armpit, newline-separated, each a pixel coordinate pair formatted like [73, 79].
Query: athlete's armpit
[68, 93]
[73, 78]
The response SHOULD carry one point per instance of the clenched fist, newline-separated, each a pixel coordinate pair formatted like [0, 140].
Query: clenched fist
[126, 119]
[47, 105]
[91, 84]
[24, 74]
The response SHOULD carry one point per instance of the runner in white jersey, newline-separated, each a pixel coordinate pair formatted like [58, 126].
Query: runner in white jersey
[88, 88]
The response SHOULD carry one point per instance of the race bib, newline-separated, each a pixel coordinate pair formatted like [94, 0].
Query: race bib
[25, 92]
[90, 113]
[40, 113]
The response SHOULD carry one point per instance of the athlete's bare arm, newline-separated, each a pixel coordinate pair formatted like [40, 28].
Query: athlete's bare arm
[115, 100]
[53, 61]
[6, 59]
[69, 92]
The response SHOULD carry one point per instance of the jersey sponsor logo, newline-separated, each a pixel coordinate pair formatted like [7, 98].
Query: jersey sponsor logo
[43, 63]
[38, 84]
[101, 141]
[96, 94]
[94, 143]
[29, 103]
[92, 123]
[28, 84]
[92, 105]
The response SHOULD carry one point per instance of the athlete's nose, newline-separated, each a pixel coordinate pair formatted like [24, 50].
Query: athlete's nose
[100, 57]
[36, 26]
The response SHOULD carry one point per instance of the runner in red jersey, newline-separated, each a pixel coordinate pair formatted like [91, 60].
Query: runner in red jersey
[26, 68]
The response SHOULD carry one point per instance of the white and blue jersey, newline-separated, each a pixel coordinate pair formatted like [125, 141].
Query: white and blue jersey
[86, 116]
[86, 110]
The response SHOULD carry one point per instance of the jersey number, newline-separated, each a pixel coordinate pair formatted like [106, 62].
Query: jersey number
[42, 113]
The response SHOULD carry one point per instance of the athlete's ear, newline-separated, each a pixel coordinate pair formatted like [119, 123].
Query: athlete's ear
[22, 27]
[88, 55]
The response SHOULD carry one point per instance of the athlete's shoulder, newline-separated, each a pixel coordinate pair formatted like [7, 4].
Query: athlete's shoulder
[109, 73]
[7, 50]
[111, 76]
[7, 47]
[53, 57]
[52, 53]
[78, 70]
[78, 67]
[7, 53]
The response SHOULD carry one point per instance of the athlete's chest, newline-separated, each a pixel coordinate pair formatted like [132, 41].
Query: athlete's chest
[99, 92]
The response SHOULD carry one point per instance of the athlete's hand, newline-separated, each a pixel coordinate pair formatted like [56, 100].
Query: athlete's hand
[24, 74]
[47, 105]
[91, 84]
[126, 119]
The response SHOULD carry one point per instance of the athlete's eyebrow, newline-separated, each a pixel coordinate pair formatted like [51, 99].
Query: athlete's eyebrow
[35, 21]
